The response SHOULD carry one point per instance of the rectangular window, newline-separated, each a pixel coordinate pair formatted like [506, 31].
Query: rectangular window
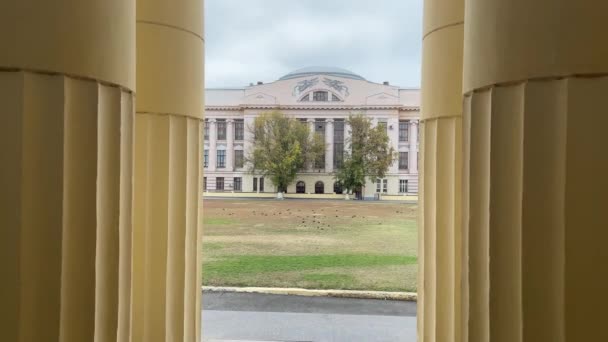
[204, 183]
[382, 125]
[320, 96]
[403, 186]
[338, 144]
[255, 184]
[239, 129]
[206, 129]
[385, 186]
[320, 131]
[404, 127]
[378, 185]
[221, 159]
[221, 129]
[219, 183]
[262, 184]
[238, 158]
[206, 158]
[403, 160]
[238, 182]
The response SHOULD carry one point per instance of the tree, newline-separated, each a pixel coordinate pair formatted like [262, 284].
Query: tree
[369, 154]
[281, 147]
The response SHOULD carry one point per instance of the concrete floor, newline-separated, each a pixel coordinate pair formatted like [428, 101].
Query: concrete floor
[259, 317]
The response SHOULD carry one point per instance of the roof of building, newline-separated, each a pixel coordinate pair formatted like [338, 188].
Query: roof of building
[319, 70]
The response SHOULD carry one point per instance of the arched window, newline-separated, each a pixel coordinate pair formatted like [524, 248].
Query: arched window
[300, 187]
[319, 187]
[338, 188]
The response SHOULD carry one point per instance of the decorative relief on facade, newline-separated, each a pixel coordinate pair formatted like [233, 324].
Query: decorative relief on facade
[338, 86]
[303, 85]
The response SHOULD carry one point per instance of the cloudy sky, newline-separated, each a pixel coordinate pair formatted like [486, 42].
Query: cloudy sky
[261, 40]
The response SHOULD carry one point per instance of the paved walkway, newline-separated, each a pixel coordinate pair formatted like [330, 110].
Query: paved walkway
[260, 317]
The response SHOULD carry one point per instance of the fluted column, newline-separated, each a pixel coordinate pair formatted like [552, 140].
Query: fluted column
[535, 135]
[329, 146]
[439, 286]
[212, 145]
[66, 124]
[229, 145]
[167, 197]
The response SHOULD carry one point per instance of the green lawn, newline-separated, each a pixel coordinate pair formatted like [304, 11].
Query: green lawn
[310, 244]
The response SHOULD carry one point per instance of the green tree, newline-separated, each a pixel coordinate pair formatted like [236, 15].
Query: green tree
[281, 146]
[369, 154]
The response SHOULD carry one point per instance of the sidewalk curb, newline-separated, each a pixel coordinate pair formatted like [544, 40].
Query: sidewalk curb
[403, 296]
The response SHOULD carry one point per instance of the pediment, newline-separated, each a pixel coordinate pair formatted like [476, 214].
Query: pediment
[382, 99]
[260, 98]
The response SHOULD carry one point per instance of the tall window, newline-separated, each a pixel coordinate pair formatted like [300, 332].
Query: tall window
[261, 184]
[238, 158]
[221, 129]
[382, 125]
[320, 131]
[300, 187]
[320, 96]
[382, 185]
[204, 183]
[206, 158]
[403, 186]
[403, 160]
[404, 130]
[319, 187]
[206, 129]
[255, 183]
[338, 143]
[219, 183]
[239, 129]
[221, 159]
[238, 184]
[338, 188]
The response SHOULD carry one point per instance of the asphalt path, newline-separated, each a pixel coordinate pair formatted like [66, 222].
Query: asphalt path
[262, 317]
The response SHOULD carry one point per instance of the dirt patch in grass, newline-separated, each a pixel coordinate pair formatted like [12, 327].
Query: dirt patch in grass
[310, 244]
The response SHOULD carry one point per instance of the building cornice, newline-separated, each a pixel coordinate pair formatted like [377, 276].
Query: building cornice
[317, 107]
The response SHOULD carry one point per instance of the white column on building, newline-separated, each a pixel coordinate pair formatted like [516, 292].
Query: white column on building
[311, 128]
[329, 145]
[413, 152]
[229, 145]
[392, 130]
[347, 137]
[212, 145]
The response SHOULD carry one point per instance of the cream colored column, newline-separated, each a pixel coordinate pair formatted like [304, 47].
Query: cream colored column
[440, 261]
[66, 116]
[535, 80]
[167, 201]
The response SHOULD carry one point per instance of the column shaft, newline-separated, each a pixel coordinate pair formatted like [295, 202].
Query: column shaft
[535, 178]
[66, 135]
[230, 145]
[329, 146]
[440, 259]
[167, 201]
[413, 149]
[212, 145]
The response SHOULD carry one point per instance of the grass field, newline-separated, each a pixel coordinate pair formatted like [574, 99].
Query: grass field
[350, 245]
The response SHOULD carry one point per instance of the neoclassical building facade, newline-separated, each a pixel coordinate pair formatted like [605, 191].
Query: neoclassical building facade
[323, 98]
